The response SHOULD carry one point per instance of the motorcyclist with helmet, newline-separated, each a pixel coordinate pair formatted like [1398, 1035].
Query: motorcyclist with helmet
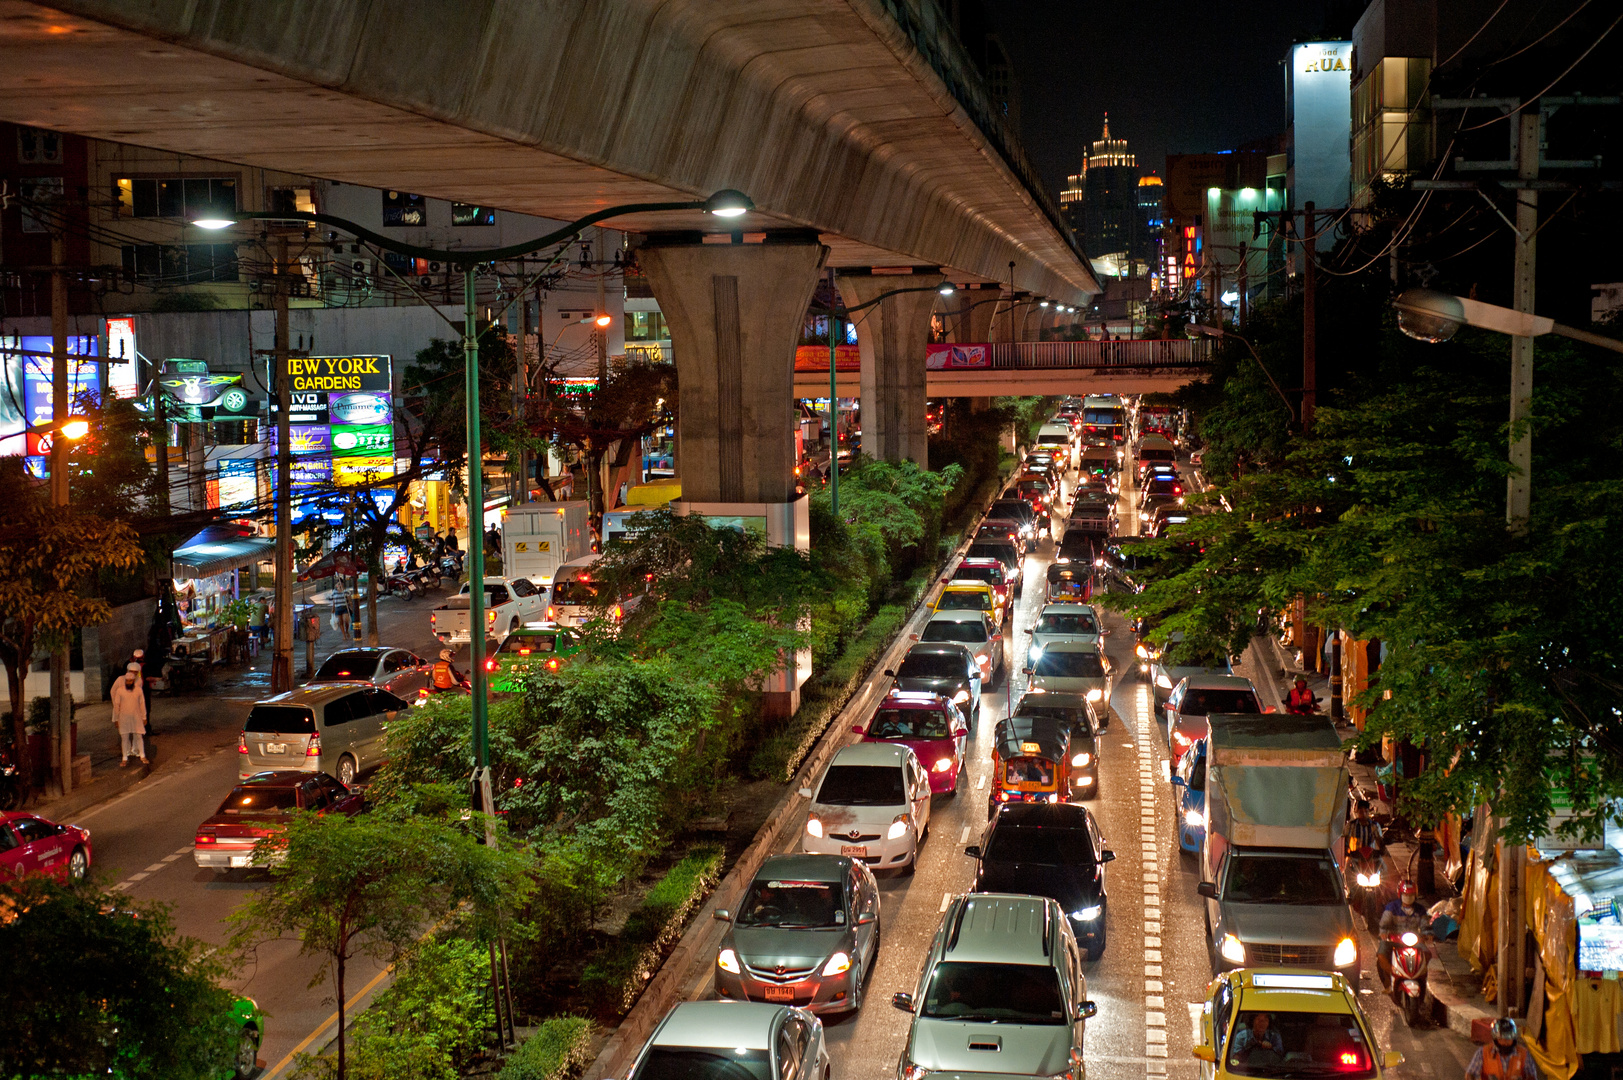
[445, 676]
[1504, 1058]
[1402, 916]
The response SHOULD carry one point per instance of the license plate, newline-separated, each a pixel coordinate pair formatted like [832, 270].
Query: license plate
[780, 993]
[240, 860]
[276, 748]
[857, 851]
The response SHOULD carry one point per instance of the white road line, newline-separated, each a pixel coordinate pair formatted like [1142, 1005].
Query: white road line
[187, 850]
[1152, 942]
[946, 898]
[133, 878]
[1195, 1009]
[980, 781]
[964, 839]
[1155, 1019]
[1155, 1001]
[154, 868]
[1152, 986]
[1152, 971]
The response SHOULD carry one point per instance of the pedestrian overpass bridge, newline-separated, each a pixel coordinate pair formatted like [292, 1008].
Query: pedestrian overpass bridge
[1028, 368]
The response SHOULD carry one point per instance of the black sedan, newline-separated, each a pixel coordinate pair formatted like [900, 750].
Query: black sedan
[942, 667]
[1085, 720]
[1054, 850]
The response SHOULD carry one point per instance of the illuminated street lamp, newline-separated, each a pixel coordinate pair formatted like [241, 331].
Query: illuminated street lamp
[726, 203]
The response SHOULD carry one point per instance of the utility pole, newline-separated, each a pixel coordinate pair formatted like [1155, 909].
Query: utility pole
[1214, 293]
[476, 535]
[521, 386]
[282, 661]
[1244, 302]
[1519, 490]
[1310, 321]
[61, 409]
[834, 398]
[602, 331]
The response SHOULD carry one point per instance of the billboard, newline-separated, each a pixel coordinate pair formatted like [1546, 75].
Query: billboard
[1318, 102]
[83, 376]
[957, 357]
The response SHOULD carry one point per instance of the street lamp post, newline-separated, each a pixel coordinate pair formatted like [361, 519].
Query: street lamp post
[726, 203]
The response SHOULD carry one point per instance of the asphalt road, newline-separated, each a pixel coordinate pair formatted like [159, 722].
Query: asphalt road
[1151, 980]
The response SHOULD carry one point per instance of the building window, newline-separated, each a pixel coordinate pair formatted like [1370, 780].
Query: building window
[401, 209]
[180, 264]
[646, 326]
[464, 214]
[36, 146]
[290, 200]
[187, 197]
[46, 191]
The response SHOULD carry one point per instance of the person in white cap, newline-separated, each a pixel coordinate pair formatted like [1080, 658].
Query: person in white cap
[130, 715]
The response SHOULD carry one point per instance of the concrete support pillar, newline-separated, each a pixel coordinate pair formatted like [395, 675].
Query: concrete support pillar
[735, 312]
[972, 320]
[892, 337]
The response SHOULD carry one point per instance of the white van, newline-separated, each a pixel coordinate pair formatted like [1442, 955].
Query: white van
[577, 599]
[1058, 438]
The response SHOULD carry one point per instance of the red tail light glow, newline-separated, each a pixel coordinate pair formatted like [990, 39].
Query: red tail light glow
[490, 664]
[203, 838]
[242, 742]
[314, 749]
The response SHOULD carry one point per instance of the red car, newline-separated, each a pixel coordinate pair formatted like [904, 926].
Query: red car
[928, 724]
[29, 844]
[987, 570]
[259, 807]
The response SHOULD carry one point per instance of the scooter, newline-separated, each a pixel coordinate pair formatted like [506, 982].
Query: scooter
[426, 577]
[403, 585]
[1411, 958]
[1364, 868]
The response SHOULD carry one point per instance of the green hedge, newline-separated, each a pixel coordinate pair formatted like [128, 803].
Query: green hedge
[616, 977]
[559, 1050]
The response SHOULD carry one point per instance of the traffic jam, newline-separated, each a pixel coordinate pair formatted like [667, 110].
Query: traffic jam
[1047, 849]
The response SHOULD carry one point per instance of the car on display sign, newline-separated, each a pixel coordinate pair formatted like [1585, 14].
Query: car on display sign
[734, 1040]
[1292, 1025]
[260, 807]
[929, 725]
[532, 648]
[1003, 976]
[806, 933]
[872, 804]
[1052, 850]
[974, 629]
[399, 671]
[941, 667]
[30, 844]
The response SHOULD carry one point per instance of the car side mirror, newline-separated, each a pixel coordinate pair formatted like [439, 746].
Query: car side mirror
[805, 793]
[721, 914]
[858, 729]
[1177, 781]
[1025, 671]
[903, 1002]
[960, 729]
[890, 673]
[1391, 1059]
[1107, 855]
[1204, 1052]
[1087, 1010]
[975, 676]
[1207, 889]
[973, 851]
[866, 917]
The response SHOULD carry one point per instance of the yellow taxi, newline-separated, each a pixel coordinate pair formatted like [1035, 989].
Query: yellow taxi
[1287, 1024]
[967, 594]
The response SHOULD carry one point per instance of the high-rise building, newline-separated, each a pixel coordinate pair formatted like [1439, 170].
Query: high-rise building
[1111, 223]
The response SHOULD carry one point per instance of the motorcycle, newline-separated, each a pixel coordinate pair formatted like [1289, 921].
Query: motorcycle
[451, 564]
[1364, 893]
[426, 577]
[1411, 958]
[10, 790]
[402, 585]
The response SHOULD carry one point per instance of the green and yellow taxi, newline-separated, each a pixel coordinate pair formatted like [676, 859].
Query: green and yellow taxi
[532, 648]
[1287, 1024]
[969, 594]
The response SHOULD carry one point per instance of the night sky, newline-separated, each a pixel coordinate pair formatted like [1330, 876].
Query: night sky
[1176, 77]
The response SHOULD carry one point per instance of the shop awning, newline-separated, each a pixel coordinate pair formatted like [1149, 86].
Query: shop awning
[217, 549]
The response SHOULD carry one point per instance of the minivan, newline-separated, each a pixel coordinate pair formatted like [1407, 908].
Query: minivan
[1002, 991]
[337, 728]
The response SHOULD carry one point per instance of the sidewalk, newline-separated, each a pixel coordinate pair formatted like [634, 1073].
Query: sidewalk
[1454, 986]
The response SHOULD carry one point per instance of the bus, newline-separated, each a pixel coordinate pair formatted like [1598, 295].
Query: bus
[1104, 417]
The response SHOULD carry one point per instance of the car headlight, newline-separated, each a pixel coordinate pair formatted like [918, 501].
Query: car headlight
[898, 828]
[942, 765]
[1410, 939]
[1079, 760]
[1194, 819]
[960, 697]
[1163, 682]
[838, 964]
[727, 960]
[1034, 654]
[814, 827]
[1346, 952]
[1143, 653]
[1096, 694]
[915, 1072]
[1232, 950]
[1087, 914]
[1370, 881]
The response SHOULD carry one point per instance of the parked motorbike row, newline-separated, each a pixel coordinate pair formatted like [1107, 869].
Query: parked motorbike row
[410, 584]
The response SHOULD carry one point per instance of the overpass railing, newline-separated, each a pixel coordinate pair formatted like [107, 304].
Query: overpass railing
[1170, 352]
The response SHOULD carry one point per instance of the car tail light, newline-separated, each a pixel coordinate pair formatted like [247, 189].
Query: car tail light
[1181, 739]
[203, 838]
[433, 620]
[242, 742]
[490, 664]
[551, 614]
[552, 665]
[314, 749]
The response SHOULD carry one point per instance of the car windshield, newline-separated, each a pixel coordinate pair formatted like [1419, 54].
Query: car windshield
[1033, 487]
[862, 785]
[1040, 846]
[968, 632]
[909, 724]
[1198, 702]
[1070, 665]
[1012, 993]
[1003, 553]
[1010, 508]
[1298, 1045]
[259, 800]
[992, 575]
[1029, 770]
[574, 592]
[1282, 879]
[792, 904]
[525, 644]
[691, 1063]
[348, 665]
[964, 601]
[280, 720]
[932, 666]
[1074, 719]
[1067, 622]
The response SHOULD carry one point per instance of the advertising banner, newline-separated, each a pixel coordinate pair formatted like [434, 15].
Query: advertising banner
[83, 376]
[957, 357]
[239, 484]
[361, 471]
[338, 389]
[362, 440]
[815, 358]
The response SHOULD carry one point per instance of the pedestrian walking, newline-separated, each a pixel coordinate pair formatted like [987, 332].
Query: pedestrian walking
[130, 715]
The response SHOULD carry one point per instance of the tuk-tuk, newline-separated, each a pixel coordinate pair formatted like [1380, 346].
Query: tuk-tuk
[1085, 721]
[1070, 582]
[1031, 762]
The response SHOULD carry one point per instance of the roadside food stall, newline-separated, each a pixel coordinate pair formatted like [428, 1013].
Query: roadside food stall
[1574, 911]
[206, 575]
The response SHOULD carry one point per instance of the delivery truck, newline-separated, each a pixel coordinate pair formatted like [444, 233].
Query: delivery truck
[1276, 796]
[537, 538]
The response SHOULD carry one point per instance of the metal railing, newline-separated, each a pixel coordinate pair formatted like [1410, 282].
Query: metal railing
[1038, 355]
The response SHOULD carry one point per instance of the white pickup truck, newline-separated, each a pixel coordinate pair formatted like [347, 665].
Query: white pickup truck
[509, 604]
